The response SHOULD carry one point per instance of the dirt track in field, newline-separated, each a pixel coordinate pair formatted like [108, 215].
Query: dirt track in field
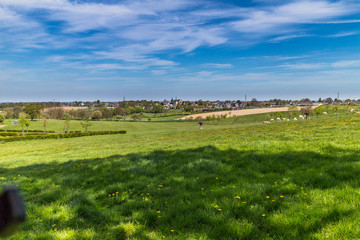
[241, 112]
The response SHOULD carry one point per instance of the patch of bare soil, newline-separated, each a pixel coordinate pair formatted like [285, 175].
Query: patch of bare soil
[241, 112]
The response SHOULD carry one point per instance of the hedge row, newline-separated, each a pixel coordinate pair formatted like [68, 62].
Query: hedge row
[58, 136]
[33, 131]
[20, 134]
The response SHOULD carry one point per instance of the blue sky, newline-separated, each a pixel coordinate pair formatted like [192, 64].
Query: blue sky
[145, 49]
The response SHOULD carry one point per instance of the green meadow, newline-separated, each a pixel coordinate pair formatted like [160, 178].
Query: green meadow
[234, 179]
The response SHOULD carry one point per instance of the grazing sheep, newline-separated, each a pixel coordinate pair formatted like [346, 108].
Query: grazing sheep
[265, 122]
[295, 119]
[284, 119]
[357, 113]
[301, 117]
[271, 119]
[288, 120]
[325, 113]
[278, 119]
[352, 110]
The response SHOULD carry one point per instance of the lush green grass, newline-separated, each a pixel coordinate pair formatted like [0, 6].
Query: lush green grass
[231, 180]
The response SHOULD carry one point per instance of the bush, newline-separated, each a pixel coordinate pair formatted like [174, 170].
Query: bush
[12, 138]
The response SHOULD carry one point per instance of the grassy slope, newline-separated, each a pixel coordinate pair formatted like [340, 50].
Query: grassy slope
[214, 183]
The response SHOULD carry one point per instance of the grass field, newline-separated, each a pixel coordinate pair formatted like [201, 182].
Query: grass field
[235, 179]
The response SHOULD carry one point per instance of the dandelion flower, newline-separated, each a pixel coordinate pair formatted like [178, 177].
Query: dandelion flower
[171, 230]
[267, 197]
[281, 196]
[263, 215]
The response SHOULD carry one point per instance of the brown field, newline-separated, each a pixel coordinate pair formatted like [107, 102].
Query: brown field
[242, 112]
[66, 109]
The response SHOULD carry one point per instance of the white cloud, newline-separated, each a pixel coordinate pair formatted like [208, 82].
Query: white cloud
[343, 34]
[301, 66]
[135, 31]
[218, 65]
[282, 18]
[346, 64]
[158, 72]
[287, 37]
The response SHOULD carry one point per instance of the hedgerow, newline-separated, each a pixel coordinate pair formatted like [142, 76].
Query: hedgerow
[10, 137]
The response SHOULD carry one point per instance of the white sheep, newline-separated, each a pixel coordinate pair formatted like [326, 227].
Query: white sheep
[271, 119]
[278, 119]
[325, 113]
[295, 119]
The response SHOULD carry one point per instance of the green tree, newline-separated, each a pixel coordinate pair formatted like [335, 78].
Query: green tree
[67, 118]
[96, 115]
[189, 108]
[318, 111]
[85, 124]
[24, 122]
[45, 118]
[136, 116]
[106, 113]
[33, 110]
[8, 113]
[307, 111]
[2, 118]
[82, 114]
[27, 124]
[16, 111]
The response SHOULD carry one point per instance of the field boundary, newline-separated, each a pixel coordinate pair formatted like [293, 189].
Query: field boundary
[232, 113]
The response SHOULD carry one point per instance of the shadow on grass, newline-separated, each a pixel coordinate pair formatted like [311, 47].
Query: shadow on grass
[202, 193]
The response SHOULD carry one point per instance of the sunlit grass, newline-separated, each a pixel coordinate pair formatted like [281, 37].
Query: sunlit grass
[231, 180]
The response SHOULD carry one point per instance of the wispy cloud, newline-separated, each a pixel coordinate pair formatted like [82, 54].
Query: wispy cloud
[301, 66]
[340, 21]
[343, 34]
[287, 37]
[346, 64]
[158, 72]
[281, 18]
[218, 65]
